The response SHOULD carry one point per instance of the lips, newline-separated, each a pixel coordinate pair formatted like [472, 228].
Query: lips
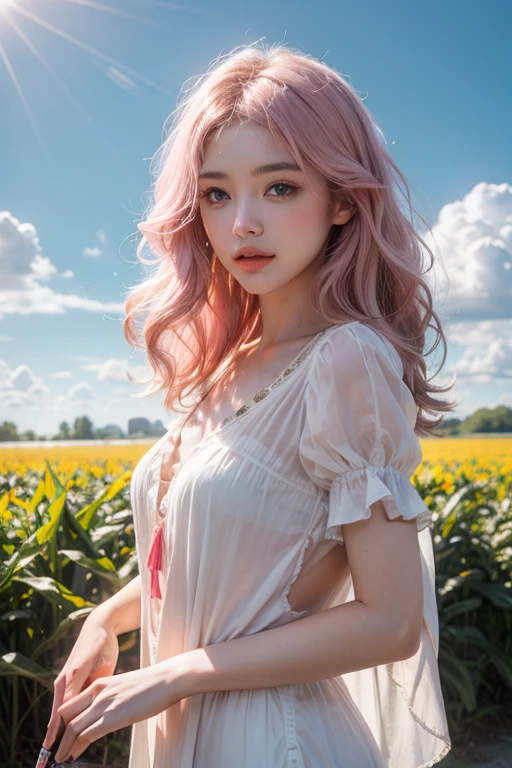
[249, 251]
[253, 256]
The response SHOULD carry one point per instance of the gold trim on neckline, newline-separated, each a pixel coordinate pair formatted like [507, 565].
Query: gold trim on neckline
[262, 394]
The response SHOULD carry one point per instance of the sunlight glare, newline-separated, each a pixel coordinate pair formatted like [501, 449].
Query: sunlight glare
[6, 4]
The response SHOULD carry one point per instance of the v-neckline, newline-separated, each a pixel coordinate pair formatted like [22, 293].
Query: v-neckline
[258, 397]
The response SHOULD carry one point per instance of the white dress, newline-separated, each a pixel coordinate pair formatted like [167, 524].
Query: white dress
[252, 505]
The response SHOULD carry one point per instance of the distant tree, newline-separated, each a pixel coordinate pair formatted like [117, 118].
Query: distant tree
[8, 431]
[502, 419]
[108, 432]
[83, 428]
[489, 420]
[64, 431]
[29, 434]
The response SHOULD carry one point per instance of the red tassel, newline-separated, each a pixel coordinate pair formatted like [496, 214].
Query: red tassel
[154, 561]
[155, 586]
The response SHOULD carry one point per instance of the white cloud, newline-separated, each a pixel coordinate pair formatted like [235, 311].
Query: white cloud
[473, 244]
[92, 252]
[115, 370]
[81, 392]
[67, 274]
[100, 234]
[42, 268]
[22, 378]
[487, 353]
[4, 372]
[484, 364]
[22, 270]
[21, 262]
[20, 387]
[6, 339]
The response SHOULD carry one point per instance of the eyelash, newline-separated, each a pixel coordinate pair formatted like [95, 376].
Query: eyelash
[208, 192]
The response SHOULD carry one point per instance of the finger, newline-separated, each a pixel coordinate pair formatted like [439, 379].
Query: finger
[76, 680]
[72, 743]
[55, 720]
[76, 705]
[88, 735]
[65, 689]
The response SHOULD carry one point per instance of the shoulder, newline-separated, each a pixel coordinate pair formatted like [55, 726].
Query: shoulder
[354, 342]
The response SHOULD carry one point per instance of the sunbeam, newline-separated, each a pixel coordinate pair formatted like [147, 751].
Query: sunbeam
[13, 10]
[112, 149]
[32, 48]
[108, 9]
[89, 49]
[19, 89]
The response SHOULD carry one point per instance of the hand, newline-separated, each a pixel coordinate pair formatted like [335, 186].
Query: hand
[112, 703]
[94, 655]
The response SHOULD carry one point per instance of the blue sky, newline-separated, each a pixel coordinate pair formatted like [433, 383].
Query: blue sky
[85, 93]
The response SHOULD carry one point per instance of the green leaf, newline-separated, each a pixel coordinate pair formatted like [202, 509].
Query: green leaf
[455, 673]
[47, 530]
[102, 567]
[106, 533]
[498, 594]
[495, 656]
[86, 514]
[39, 494]
[464, 606]
[53, 591]
[52, 485]
[17, 664]
[89, 547]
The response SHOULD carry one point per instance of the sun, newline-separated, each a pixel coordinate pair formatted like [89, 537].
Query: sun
[17, 20]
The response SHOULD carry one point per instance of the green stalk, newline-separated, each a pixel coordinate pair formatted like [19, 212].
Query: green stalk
[15, 715]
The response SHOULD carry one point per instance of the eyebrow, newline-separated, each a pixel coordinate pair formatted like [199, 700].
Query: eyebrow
[262, 169]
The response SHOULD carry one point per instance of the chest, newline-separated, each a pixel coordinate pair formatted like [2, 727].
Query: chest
[246, 381]
[250, 376]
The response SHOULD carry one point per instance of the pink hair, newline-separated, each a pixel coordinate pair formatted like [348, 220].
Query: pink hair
[196, 314]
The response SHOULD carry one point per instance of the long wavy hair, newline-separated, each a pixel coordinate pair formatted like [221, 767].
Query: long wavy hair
[192, 316]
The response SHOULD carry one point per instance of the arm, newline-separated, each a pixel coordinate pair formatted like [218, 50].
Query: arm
[121, 612]
[382, 625]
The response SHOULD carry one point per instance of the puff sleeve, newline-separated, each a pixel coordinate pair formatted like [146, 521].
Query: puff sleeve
[358, 441]
[358, 444]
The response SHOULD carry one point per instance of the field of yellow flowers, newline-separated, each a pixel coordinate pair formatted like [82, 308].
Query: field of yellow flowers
[443, 458]
[446, 461]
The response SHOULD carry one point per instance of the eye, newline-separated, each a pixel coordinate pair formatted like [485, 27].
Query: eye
[283, 184]
[289, 187]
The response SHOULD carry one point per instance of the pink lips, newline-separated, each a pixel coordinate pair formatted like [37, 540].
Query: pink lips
[254, 263]
[250, 250]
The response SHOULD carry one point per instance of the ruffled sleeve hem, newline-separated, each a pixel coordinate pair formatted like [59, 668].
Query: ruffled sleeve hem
[354, 491]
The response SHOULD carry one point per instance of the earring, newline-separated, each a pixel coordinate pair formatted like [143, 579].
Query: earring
[207, 243]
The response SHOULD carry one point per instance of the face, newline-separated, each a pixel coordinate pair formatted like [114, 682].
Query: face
[283, 212]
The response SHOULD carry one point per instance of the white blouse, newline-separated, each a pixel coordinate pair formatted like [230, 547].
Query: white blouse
[252, 506]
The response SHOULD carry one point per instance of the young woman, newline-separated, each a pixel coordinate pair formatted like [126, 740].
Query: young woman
[286, 595]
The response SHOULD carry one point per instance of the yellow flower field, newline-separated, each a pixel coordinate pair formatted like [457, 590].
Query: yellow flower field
[477, 457]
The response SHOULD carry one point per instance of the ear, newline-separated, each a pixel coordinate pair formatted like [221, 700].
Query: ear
[342, 213]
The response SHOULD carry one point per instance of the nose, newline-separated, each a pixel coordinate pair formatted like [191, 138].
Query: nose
[246, 223]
